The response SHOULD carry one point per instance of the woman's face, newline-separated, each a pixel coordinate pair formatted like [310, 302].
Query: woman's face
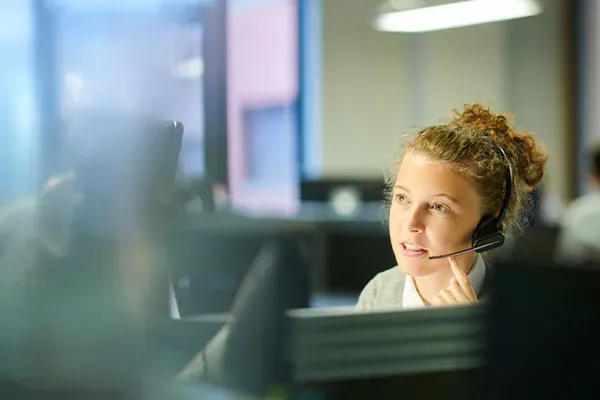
[434, 211]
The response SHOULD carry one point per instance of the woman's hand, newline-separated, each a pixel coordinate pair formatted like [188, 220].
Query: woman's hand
[459, 290]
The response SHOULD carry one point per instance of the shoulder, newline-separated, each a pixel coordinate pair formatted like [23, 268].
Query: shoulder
[385, 290]
[580, 225]
[581, 209]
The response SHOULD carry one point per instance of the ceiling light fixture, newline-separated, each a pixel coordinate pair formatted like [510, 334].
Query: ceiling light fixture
[434, 15]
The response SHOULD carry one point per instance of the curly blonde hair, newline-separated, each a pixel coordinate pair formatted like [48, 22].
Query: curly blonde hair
[469, 144]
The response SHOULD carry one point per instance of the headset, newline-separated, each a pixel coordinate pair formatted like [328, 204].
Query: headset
[489, 233]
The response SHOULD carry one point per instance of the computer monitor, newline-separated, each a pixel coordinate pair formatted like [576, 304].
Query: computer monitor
[126, 173]
[322, 190]
[249, 353]
[208, 256]
[346, 354]
[544, 330]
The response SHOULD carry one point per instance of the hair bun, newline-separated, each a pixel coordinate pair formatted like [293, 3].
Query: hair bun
[527, 157]
[481, 119]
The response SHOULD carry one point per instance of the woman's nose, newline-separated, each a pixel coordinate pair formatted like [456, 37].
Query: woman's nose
[415, 222]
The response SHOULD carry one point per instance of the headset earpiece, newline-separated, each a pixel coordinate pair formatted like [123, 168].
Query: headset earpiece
[488, 234]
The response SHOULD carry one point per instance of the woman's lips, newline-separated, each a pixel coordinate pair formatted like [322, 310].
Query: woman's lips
[412, 250]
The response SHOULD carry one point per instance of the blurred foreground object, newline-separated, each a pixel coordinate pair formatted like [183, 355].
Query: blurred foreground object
[536, 337]
[543, 332]
[92, 253]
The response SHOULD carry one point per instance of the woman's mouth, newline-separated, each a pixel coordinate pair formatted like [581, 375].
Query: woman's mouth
[412, 250]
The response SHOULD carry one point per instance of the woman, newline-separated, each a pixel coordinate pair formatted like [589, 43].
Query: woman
[449, 178]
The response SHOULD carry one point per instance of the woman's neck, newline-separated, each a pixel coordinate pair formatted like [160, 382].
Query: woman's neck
[429, 286]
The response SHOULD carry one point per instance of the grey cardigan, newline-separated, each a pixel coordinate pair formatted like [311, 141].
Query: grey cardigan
[386, 290]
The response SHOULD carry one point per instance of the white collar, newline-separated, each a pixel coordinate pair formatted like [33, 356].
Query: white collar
[412, 299]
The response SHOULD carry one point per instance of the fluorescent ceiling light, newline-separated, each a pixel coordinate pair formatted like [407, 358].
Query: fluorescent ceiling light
[454, 15]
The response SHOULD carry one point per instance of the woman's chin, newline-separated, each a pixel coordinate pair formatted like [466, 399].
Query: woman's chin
[414, 266]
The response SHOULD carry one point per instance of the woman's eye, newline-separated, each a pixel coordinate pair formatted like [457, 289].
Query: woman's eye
[439, 208]
[401, 198]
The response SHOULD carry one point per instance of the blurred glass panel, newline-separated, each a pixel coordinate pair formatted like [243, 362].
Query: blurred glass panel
[270, 146]
[19, 145]
[135, 58]
[262, 83]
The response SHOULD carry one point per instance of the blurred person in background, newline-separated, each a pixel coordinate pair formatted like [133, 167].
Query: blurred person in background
[579, 239]
[450, 178]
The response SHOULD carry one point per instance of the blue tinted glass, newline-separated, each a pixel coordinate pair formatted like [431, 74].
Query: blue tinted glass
[19, 143]
[141, 58]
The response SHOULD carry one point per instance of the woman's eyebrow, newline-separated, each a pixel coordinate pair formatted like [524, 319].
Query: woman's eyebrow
[449, 197]
[445, 195]
[401, 188]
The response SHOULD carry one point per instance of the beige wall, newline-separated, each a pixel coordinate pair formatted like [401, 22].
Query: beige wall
[538, 91]
[377, 86]
[365, 78]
